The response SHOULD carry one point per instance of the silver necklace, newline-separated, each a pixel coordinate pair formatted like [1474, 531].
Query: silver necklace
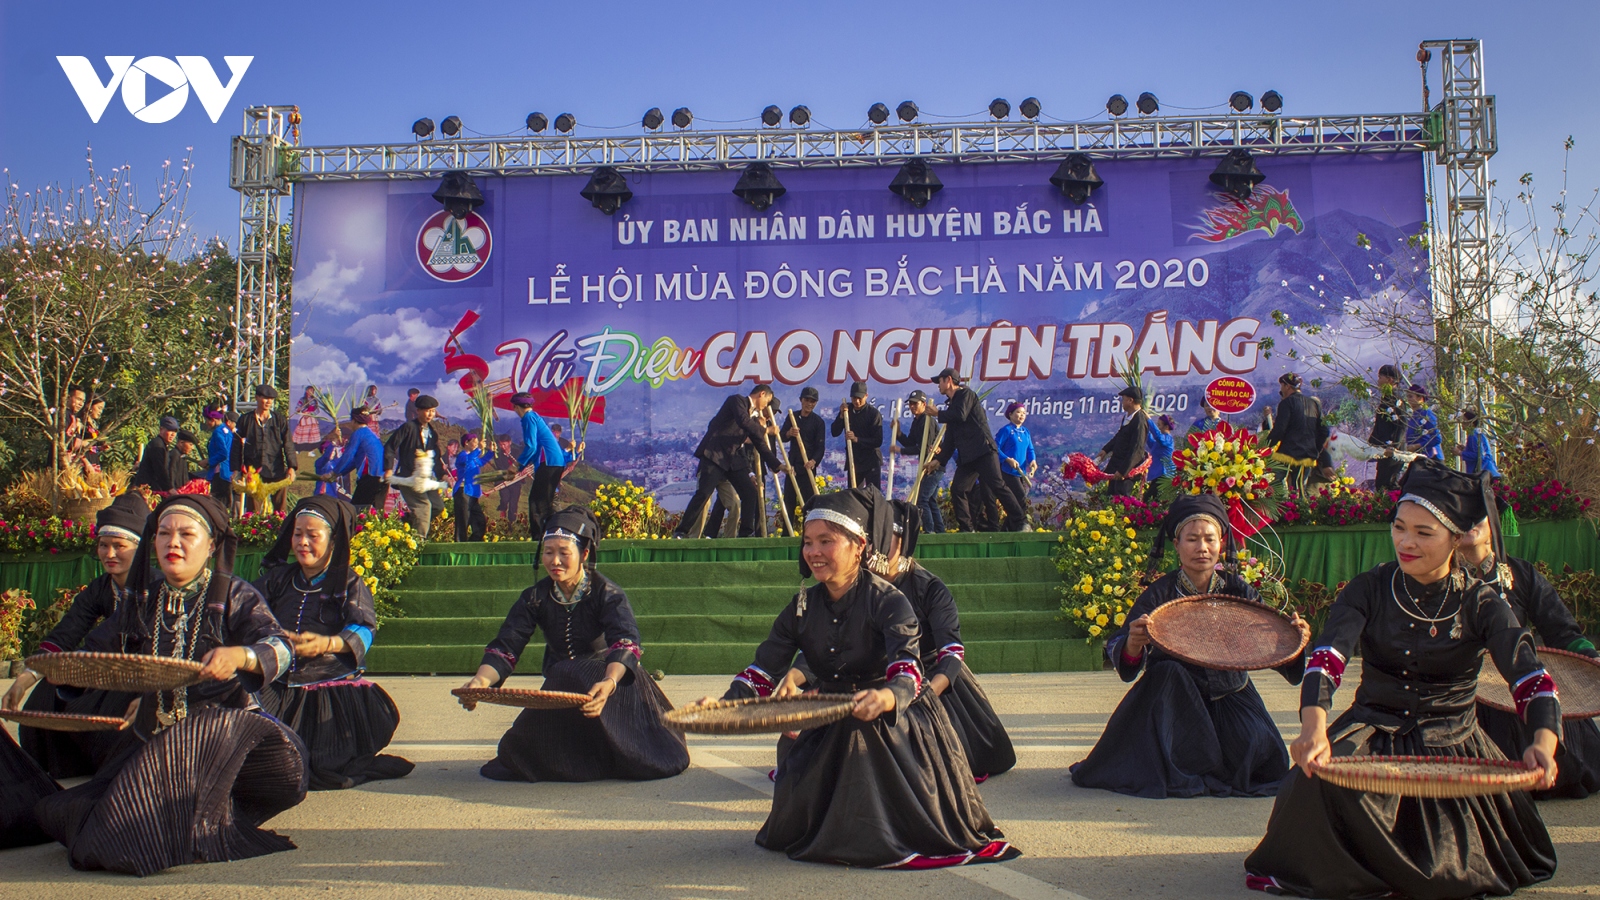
[1398, 586]
[171, 600]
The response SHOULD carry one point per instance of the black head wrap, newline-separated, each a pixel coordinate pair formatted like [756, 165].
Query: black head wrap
[1185, 508]
[578, 523]
[905, 523]
[862, 511]
[341, 519]
[125, 517]
[1458, 500]
[224, 541]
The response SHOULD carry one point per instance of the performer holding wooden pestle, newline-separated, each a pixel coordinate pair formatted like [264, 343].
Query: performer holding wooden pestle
[740, 418]
[807, 438]
[862, 427]
[969, 435]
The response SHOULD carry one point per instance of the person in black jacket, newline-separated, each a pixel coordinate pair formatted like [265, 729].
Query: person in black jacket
[862, 427]
[261, 440]
[1389, 427]
[808, 433]
[401, 457]
[156, 465]
[1126, 449]
[721, 459]
[967, 434]
[922, 436]
[1297, 434]
[179, 459]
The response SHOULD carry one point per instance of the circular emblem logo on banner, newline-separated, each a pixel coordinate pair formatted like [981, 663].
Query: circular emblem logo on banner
[1230, 395]
[452, 249]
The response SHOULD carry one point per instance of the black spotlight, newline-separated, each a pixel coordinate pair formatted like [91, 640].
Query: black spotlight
[907, 111]
[1147, 103]
[1076, 177]
[771, 116]
[607, 189]
[1237, 174]
[451, 126]
[458, 193]
[537, 123]
[758, 186]
[1272, 101]
[566, 122]
[1030, 108]
[800, 116]
[682, 117]
[877, 114]
[916, 182]
[1117, 105]
[653, 118]
[1241, 101]
[422, 128]
[999, 108]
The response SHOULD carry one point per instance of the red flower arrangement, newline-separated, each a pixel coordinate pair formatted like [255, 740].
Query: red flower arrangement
[1229, 462]
[1548, 499]
[1344, 507]
[1080, 466]
[1139, 513]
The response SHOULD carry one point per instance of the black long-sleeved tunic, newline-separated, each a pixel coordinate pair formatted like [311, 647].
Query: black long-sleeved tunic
[813, 438]
[1539, 607]
[1127, 447]
[322, 610]
[599, 626]
[938, 620]
[97, 602]
[1422, 675]
[867, 423]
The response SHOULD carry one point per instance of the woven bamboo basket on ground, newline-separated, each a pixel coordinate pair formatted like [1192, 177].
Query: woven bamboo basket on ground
[522, 698]
[129, 672]
[1428, 776]
[761, 715]
[1577, 678]
[1220, 631]
[49, 721]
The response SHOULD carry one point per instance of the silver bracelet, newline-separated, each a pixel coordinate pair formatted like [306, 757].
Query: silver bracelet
[250, 654]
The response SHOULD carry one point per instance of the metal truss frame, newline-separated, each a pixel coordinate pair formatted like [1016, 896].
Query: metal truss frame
[254, 170]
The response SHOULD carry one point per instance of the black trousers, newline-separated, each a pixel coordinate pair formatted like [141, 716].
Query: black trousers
[1388, 477]
[1019, 490]
[712, 475]
[470, 520]
[986, 470]
[1122, 487]
[371, 491]
[222, 491]
[542, 497]
[799, 487]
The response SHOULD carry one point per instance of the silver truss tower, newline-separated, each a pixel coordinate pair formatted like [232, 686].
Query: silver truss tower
[260, 159]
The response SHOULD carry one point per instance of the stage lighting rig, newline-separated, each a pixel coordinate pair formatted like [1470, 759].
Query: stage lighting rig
[1030, 108]
[607, 189]
[459, 193]
[652, 118]
[1237, 174]
[758, 186]
[771, 116]
[877, 114]
[422, 128]
[800, 116]
[1076, 178]
[1241, 101]
[1117, 105]
[1147, 104]
[916, 182]
[682, 117]
[537, 122]
[566, 122]
[907, 111]
[999, 108]
[1272, 101]
[451, 126]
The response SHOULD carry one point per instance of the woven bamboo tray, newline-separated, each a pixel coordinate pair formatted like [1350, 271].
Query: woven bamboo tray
[1220, 631]
[49, 721]
[1428, 776]
[131, 672]
[761, 715]
[522, 698]
[1577, 678]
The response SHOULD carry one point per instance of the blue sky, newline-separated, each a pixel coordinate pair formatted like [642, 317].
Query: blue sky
[363, 72]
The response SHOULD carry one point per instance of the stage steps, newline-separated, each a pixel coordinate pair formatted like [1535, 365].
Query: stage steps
[703, 606]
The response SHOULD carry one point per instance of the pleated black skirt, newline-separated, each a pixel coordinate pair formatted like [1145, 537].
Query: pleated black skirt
[1166, 739]
[1577, 758]
[895, 792]
[344, 725]
[22, 785]
[196, 792]
[72, 754]
[1326, 841]
[983, 737]
[627, 741]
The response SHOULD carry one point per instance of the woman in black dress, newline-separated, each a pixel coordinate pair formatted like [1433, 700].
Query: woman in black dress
[69, 754]
[890, 786]
[1537, 606]
[344, 720]
[1184, 730]
[1422, 625]
[202, 768]
[591, 647]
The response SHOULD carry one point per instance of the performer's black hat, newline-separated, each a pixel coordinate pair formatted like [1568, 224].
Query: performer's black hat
[341, 519]
[426, 402]
[168, 423]
[577, 524]
[809, 393]
[858, 389]
[266, 391]
[947, 372]
[1186, 508]
[862, 511]
[1135, 394]
[124, 518]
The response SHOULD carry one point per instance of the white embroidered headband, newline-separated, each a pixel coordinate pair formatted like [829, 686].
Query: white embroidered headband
[839, 519]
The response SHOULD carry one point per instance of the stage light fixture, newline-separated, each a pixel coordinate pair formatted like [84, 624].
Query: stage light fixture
[451, 126]
[422, 128]
[1272, 101]
[537, 122]
[1117, 105]
[682, 117]
[916, 182]
[1030, 108]
[652, 118]
[1147, 103]
[907, 111]
[459, 193]
[607, 190]
[566, 122]
[771, 116]
[758, 186]
[800, 116]
[1241, 101]
[999, 108]
[1076, 178]
[1237, 174]
[877, 114]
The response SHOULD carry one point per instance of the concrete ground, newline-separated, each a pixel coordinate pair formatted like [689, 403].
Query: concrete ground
[446, 832]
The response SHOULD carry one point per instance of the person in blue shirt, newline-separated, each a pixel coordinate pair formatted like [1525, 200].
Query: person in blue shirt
[1158, 441]
[1018, 462]
[332, 452]
[543, 454]
[218, 450]
[1422, 428]
[1210, 420]
[363, 455]
[1476, 454]
[470, 520]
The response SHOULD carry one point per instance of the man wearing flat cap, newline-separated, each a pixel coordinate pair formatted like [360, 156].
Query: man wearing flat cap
[261, 440]
[156, 462]
[808, 440]
[862, 427]
[968, 439]
[722, 458]
[922, 437]
[1126, 449]
[401, 457]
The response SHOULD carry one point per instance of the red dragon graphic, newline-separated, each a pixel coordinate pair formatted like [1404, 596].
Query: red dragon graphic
[1267, 209]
